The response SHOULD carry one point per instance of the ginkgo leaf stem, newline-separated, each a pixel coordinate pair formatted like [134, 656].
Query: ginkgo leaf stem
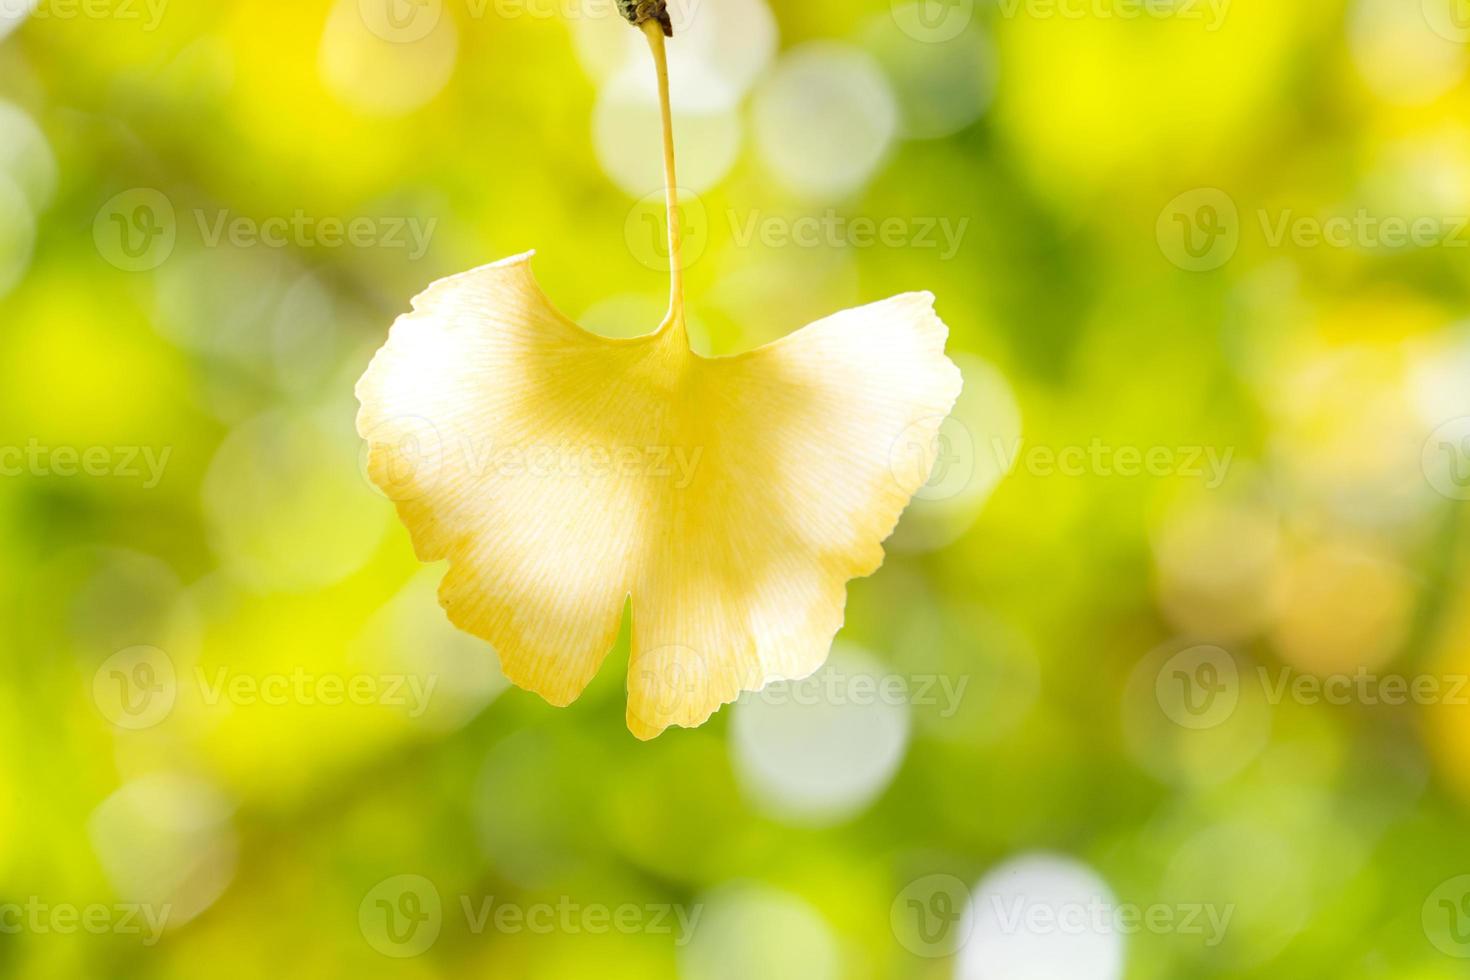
[655, 33]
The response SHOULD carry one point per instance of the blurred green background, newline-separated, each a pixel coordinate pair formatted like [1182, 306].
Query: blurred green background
[1169, 658]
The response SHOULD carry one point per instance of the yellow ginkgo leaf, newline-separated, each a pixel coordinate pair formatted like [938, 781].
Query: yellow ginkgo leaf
[561, 473]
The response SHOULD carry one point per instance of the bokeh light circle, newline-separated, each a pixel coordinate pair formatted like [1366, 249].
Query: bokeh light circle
[942, 85]
[1032, 921]
[166, 840]
[750, 930]
[17, 234]
[824, 119]
[627, 136]
[976, 448]
[1399, 53]
[819, 750]
[13, 13]
[285, 505]
[1195, 714]
[25, 154]
[392, 75]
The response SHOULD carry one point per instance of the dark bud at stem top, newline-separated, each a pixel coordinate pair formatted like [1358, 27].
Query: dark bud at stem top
[638, 11]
